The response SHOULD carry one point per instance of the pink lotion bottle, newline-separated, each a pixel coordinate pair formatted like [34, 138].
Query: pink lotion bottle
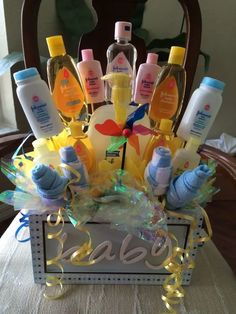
[90, 73]
[146, 78]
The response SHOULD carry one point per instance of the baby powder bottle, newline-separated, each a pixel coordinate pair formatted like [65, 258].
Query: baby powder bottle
[121, 55]
[43, 155]
[202, 109]
[146, 78]
[37, 103]
[90, 72]
[186, 158]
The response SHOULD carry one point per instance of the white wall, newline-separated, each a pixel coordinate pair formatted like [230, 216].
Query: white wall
[163, 19]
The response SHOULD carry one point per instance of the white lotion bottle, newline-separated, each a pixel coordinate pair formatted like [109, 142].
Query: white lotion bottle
[202, 109]
[146, 78]
[186, 158]
[37, 103]
[121, 55]
[90, 73]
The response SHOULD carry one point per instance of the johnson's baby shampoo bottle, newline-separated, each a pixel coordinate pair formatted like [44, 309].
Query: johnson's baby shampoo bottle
[63, 79]
[169, 92]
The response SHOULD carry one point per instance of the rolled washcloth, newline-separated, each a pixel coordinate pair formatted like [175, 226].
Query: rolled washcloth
[50, 184]
[158, 171]
[185, 187]
[69, 157]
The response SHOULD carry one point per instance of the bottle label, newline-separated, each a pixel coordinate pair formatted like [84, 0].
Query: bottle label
[92, 84]
[110, 156]
[147, 86]
[120, 64]
[165, 100]
[201, 120]
[40, 111]
[67, 93]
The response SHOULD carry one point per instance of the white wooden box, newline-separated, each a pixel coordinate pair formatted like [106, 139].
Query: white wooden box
[119, 269]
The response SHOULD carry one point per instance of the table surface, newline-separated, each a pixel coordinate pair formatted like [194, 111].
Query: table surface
[212, 290]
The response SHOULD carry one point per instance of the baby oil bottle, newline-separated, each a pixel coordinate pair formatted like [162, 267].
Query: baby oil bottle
[163, 138]
[121, 55]
[169, 92]
[81, 144]
[63, 79]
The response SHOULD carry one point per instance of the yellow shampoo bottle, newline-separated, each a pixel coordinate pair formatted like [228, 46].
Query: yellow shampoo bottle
[163, 138]
[82, 145]
[168, 95]
[63, 79]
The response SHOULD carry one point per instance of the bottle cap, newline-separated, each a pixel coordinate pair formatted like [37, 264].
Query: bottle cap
[87, 54]
[209, 81]
[165, 125]
[76, 130]
[176, 55]
[41, 146]
[152, 58]
[68, 154]
[193, 143]
[123, 30]
[25, 74]
[56, 46]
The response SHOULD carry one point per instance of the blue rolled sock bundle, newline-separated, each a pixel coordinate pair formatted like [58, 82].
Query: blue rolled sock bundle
[185, 187]
[158, 170]
[69, 157]
[49, 183]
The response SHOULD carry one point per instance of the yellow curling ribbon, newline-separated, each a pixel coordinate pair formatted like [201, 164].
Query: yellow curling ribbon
[86, 249]
[181, 260]
[53, 281]
[77, 257]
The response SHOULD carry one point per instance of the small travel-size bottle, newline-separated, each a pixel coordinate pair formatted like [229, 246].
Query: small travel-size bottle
[43, 155]
[81, 144]
[146, 79]
[163, 138]
[186, 158]
[121, 55]
[90, 72]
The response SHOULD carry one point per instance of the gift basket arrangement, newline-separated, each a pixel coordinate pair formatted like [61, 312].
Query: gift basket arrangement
[106, 158]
